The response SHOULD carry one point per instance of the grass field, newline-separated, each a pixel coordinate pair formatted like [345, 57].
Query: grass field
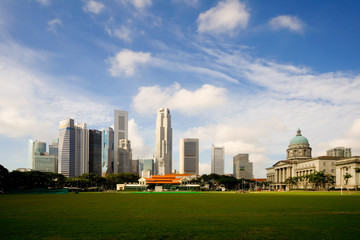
[269, 215]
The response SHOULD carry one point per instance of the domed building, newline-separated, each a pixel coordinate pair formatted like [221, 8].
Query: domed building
[298, 163]
[299, 148]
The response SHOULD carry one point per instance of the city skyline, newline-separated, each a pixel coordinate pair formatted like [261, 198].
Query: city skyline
[246, 82]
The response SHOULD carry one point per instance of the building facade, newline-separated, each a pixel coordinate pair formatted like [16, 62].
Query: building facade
[348, 173]
[299, 163]
[95, 152]
[124, 162]
[107, 151]
[81, 149]
[66, 151]
[242, 167]
[44, 163]
[163, 142]
[189, 156]
[120, 132]
[217, 160]
[339, 152]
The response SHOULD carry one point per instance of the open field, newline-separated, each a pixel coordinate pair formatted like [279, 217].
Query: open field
[269, 215]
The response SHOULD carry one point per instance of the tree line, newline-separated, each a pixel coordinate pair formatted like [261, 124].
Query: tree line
[17, 180]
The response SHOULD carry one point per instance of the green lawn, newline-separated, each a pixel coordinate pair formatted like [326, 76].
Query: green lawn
[277, 215]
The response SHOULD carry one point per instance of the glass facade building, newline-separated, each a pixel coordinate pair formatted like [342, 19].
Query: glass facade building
[107, 151]
[95, 152]
[66, 152]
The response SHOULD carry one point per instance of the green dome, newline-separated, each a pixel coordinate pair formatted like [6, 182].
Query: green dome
[299, 139]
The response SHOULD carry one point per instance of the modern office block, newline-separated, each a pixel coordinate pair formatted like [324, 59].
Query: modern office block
[81, 149]
[339, 152]
[95, 152]
[124, 163]
[54, 147]
[120, 132]
[189, 156]
[163, 142]
[44, 163]
[107, 151]
[242, 168]
[148, 164]
[66, 154]
[217, 160]
[135, 167]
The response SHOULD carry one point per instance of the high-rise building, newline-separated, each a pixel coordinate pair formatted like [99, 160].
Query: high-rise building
[189, 156]
[163, 142]
[54, 149]
[40, 159]
[66, 154]
[339, 152]
[81, 149]
[95, 152]
[30, 153]
[107, 151]
[217, 160]
[148, 164]
[124, 163]
[120, 132]
[135, 167]
[242, 168]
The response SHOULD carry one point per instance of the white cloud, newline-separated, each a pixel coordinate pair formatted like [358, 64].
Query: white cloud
[226, 17]
[138, 4]
[121, 32]
[32, 104]
[139, 148]
[149, 99]
[125, 62]
[292, 23]
[52, 24]
[44, 2]
[93, 7]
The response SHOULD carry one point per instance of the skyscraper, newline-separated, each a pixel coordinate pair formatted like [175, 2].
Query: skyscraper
[66, 157]
[242, 167]
[189, 155]
[120, 132]
[95, 152]
[124, 163]
[107, 151]
[81, 149]
[217, 160]
[163, 142]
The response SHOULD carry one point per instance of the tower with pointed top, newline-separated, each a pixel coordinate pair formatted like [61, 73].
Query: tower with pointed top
[163, 142]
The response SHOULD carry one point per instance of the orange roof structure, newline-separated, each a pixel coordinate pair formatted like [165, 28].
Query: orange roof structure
[259, 179]
[166, 179]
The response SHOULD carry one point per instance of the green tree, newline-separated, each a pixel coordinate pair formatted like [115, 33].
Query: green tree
[4, 175]
[347, 176]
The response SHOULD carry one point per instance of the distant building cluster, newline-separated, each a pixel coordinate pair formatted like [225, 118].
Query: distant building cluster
[299, 164]
[80, 150]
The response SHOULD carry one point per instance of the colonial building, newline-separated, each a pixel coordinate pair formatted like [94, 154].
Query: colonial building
[347, 175]
[299, 162]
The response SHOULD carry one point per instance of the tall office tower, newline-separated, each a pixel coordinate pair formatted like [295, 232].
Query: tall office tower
[163, 142]
[148, 164]
[120, 132]
[53, 150]
[124, 163]
[66, 154]
[54, 147]
[30, 153]
[41, 160]
[95, 152]
[135, 167]
[107, 151]
[189, 155]
[81, 149]
[242, 168]
[217, 160]
[339, 152]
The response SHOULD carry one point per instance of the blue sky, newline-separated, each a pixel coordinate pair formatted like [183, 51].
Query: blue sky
[239, 74]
